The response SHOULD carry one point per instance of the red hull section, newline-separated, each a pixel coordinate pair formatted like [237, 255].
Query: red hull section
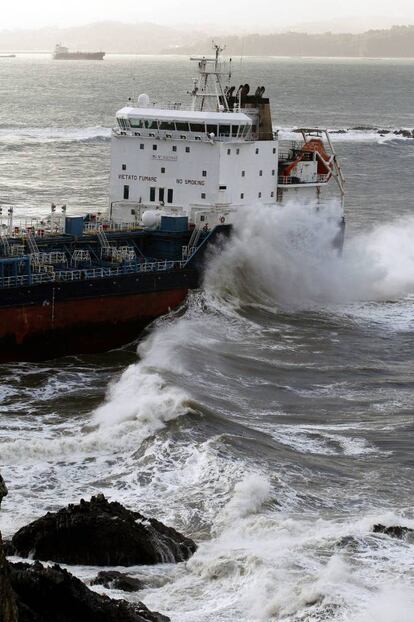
[79, 326]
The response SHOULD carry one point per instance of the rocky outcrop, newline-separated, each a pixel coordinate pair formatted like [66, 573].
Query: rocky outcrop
[8, 609]
[101, 533]
[394, 531]
[114, 580]
[52, 594]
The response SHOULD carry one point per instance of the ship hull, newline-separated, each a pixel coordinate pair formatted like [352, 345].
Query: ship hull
[79, 56]
[92, 316]
[30, 333]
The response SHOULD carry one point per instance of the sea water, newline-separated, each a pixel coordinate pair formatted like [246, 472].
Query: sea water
[271, 417]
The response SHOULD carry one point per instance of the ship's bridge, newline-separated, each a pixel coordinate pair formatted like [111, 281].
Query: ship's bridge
[185, 124]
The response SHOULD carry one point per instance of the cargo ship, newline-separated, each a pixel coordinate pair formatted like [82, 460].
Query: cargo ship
[180, 178]
[62, 53]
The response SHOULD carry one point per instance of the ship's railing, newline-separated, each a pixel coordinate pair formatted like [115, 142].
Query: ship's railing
[289, 181]
[83, 274]
[108, 225]
[182, 135]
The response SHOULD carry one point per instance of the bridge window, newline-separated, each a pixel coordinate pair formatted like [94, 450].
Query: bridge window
[182, 127]
[152, 194]
[212, 129]
[234, 130]
[197, 127]
[126, 193]
[161, 193]
[167, 125]
[170, 195]
[224, 130]
[149, 124]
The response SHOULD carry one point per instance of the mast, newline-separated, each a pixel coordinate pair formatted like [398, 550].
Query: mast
[208, 91]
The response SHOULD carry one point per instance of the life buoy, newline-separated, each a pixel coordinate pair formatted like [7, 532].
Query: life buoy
[222, 220]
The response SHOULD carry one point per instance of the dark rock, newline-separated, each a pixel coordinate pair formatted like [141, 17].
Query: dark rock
[52, 594]
[3, 489]
[395, 531]
[8, 548]
[101, 533]
[404, 133]
[8, 608]
[114, 580]
[348, 542]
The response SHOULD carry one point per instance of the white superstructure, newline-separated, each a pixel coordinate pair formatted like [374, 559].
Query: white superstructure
[207, 161]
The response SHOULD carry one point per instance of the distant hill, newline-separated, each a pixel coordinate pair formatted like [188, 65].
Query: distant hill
[146, 38]
[395, 42]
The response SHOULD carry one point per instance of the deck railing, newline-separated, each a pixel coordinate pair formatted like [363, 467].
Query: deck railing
[84, 274]
[289, 181]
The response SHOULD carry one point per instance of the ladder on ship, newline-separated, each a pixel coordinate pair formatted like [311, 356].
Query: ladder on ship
[194, 239]
[332, 163]
[104, 242]
[31, 243]
[6, 246]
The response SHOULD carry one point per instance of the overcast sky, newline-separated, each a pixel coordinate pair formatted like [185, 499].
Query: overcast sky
[229, 14]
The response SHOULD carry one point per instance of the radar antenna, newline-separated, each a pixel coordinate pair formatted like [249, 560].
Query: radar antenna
[208, 90]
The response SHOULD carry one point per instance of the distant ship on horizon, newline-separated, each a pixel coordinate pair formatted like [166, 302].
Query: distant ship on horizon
[62, 53]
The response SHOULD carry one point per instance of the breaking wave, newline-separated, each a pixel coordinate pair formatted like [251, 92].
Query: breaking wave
[287, 257]
[356, 134]
[13, 137]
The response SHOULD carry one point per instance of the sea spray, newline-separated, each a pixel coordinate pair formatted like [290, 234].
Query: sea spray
[285, 256]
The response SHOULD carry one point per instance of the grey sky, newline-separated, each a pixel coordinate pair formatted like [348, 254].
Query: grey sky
[228, 14]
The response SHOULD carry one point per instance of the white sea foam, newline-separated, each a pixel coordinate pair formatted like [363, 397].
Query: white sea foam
[142, 397]
[388, 605]
[248, 497]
